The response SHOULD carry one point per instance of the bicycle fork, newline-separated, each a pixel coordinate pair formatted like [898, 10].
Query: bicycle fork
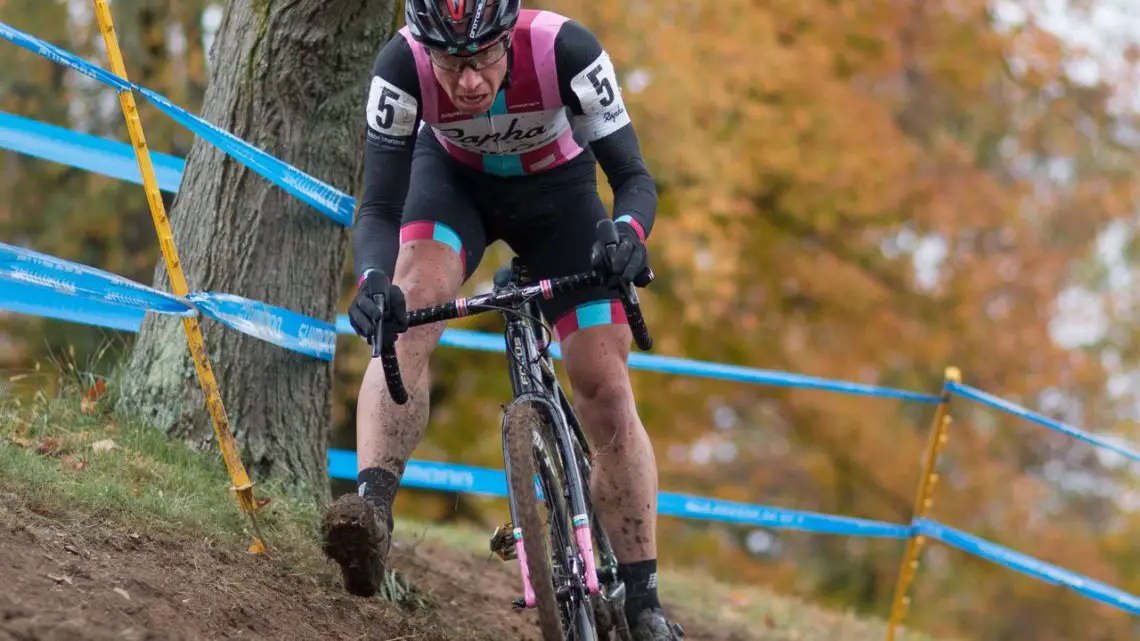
[508, 540]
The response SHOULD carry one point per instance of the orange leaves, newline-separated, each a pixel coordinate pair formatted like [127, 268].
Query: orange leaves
[92, 395]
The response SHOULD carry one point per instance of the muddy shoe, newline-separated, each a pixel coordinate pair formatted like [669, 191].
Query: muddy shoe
[651, 625]
[356, 536]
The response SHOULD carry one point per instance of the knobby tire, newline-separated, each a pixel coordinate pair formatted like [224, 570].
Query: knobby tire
[522, 422]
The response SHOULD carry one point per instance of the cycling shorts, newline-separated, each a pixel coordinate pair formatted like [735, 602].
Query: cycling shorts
[547, 218]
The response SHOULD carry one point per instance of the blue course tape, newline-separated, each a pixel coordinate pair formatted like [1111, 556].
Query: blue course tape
[26, 266]
[696, 507]
[672, 365]
[35, 300]
[684, 366]
[449, 477]
[1006, 406]
[277, 325]
[1012, 559]
[84, 151]
[31, 282]
[55, 54]
[322, 196]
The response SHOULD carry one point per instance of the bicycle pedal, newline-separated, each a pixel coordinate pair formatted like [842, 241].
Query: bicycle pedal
[503, 541]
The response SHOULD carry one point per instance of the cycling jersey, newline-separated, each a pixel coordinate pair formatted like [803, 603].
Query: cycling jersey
[562, 103]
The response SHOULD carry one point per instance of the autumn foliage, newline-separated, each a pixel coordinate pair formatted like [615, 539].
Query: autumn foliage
[865, 191]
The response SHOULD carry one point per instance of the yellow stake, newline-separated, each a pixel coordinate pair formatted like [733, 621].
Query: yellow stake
[922, 504]
[242, 486]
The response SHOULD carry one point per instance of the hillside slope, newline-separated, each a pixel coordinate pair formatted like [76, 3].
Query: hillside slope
[109, 532]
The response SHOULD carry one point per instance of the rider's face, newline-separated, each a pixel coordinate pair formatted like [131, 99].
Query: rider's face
[472, 81]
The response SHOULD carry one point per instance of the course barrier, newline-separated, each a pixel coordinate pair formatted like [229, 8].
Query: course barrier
[37, 284]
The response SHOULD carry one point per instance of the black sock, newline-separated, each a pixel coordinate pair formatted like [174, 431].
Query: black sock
[640, 580]
[378, 486]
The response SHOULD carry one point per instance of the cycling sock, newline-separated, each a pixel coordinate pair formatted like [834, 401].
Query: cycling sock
[640, 580]
[378, 486]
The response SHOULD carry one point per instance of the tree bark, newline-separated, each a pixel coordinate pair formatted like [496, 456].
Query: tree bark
[289, 77]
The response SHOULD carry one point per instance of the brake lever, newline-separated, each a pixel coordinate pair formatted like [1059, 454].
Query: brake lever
[377, 338]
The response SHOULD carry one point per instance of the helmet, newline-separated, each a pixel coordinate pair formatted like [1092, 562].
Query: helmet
[460, 25]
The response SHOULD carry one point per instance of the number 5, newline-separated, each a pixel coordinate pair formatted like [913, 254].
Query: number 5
[385, 112]
[603, 86]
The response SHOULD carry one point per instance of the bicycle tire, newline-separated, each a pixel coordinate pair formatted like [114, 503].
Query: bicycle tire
[521, 423]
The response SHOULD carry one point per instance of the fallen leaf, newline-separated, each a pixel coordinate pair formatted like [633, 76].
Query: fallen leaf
[124, 593]
[137, 491]
[769, 621]
[60, 579]
[96, 391]
[50, 446]
[105, 445]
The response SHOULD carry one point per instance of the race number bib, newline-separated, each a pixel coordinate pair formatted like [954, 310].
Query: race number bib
[597, 89]
[391, 112]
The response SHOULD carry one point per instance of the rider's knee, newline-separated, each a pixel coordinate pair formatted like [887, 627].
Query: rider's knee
[596, 363]
[607, 389]
[428, 272]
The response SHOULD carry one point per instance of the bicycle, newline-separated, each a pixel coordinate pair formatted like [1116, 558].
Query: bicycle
[577, 597]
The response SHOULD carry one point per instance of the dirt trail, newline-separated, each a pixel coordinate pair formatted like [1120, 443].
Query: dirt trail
[97, 582]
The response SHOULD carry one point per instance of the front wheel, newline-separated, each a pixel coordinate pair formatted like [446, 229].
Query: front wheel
[530, 448]
[520, 423]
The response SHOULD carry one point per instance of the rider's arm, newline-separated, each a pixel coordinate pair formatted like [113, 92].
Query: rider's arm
[590, 89]
[393, 114]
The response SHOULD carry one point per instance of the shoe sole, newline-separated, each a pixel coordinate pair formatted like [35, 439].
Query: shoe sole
[352, 538]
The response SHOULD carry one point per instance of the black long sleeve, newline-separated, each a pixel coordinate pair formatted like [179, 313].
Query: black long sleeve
[393, 115]
[590, 89]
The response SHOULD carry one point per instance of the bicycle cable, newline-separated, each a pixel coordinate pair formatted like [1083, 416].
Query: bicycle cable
[547, 333]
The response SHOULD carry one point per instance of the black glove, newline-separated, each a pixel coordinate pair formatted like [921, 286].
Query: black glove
[364, 313]
[628, 262]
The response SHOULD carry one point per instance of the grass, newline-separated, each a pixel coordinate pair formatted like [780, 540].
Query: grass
[70, 454]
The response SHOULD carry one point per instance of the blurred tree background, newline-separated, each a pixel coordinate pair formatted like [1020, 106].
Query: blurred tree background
[865, 191]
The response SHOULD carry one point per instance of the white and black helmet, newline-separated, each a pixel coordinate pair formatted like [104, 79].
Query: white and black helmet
[460, 26]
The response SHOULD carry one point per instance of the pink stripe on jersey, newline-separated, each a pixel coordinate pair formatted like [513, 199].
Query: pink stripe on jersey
[551, 154]
[525, 93]
[567, 145]
[543, 30]
[429, 89]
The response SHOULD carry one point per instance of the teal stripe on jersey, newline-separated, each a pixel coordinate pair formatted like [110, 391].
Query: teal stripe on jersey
[506, 164]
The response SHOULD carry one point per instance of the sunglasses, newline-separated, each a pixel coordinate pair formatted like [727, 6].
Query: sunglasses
[478, 61]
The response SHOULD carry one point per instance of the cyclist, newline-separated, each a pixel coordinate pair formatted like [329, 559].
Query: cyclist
[486, 121]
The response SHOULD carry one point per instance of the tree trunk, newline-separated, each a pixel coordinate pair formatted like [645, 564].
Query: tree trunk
[290, 78]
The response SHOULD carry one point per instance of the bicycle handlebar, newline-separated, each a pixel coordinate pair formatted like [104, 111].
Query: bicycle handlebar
[496, 300]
